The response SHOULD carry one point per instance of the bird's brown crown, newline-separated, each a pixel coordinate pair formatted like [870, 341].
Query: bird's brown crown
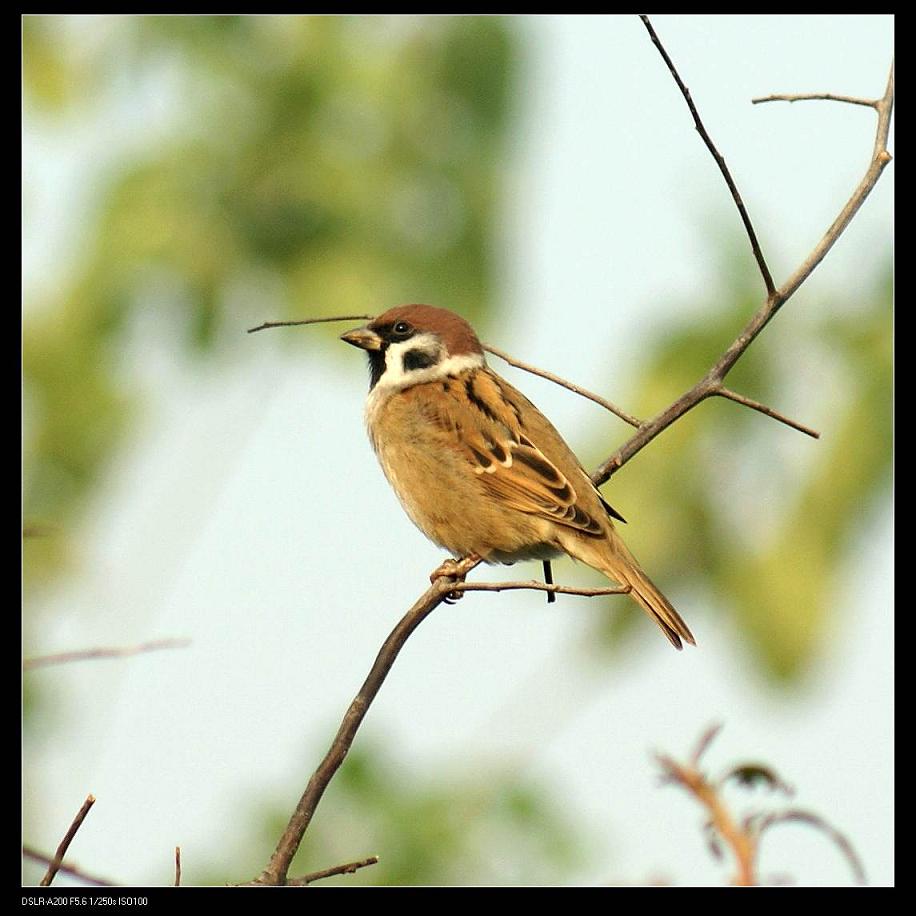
[457, 335]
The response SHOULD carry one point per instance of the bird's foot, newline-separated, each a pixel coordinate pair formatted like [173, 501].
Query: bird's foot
[455, 571]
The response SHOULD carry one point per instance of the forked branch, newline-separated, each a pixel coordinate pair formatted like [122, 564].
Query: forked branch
[711, 385]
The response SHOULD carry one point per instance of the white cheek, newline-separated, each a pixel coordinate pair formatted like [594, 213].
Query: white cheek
[396, 379]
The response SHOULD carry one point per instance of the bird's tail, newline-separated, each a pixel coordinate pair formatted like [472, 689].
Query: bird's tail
[617, 563]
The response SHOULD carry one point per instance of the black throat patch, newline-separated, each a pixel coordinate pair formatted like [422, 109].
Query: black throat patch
[376, 365]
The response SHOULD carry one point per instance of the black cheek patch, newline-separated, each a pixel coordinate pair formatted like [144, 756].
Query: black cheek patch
[418, 359]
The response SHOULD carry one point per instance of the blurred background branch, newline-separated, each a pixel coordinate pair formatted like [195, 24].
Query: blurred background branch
[55, 863]
[742, 835]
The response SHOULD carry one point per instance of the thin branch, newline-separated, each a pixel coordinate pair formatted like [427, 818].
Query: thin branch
[712, 383]
[550, 376]
[287, 324]
[347, 869]
[534, 585]
[741, 842]
[276, 870]
[177, 866]
[703, 744]
[880, 158]
[55, 864]
[743, 837]
[810, 96]
[769, 411]
[61, 658]
[71, 870]
[815, 820]
[511, 360]
[720, 160]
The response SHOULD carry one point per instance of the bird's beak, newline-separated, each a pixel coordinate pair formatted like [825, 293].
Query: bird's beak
[364, 338]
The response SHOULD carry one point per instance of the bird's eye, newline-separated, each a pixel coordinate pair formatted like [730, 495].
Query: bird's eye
[402, 329]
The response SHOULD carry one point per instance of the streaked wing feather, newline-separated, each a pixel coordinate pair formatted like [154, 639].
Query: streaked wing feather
[509, 464]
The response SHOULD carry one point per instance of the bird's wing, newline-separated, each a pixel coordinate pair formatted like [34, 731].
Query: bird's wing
[501, 449]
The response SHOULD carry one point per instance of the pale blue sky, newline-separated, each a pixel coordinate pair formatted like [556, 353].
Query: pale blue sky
[204, 530]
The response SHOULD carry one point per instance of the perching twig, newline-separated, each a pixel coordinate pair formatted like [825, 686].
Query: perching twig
[64, 867]
[534, 585]
[275, 872]
[40, 661]
[347, 869]
[55, 863]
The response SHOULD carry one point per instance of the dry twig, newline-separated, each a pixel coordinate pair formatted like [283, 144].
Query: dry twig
[502, 354]
[719, 158]
[347, 869]
[742, 837]
[534, 585]
[742, 844]
[712, 384]
[55, 864]
[287, 324]
[806, 817]
[277, 867]
[818, 96]
[60, 658]
[559, 380]
[64, 867]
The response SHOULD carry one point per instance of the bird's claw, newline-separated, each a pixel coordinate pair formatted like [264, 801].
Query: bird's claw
[456, 571]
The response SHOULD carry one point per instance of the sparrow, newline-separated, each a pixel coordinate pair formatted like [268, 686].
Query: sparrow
[476, 466]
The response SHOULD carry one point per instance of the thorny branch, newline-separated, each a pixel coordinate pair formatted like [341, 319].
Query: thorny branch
[711, 385]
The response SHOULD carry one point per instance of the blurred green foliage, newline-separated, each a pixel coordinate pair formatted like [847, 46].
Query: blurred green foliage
[482, 828]
[351, 162]
[752, 519]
